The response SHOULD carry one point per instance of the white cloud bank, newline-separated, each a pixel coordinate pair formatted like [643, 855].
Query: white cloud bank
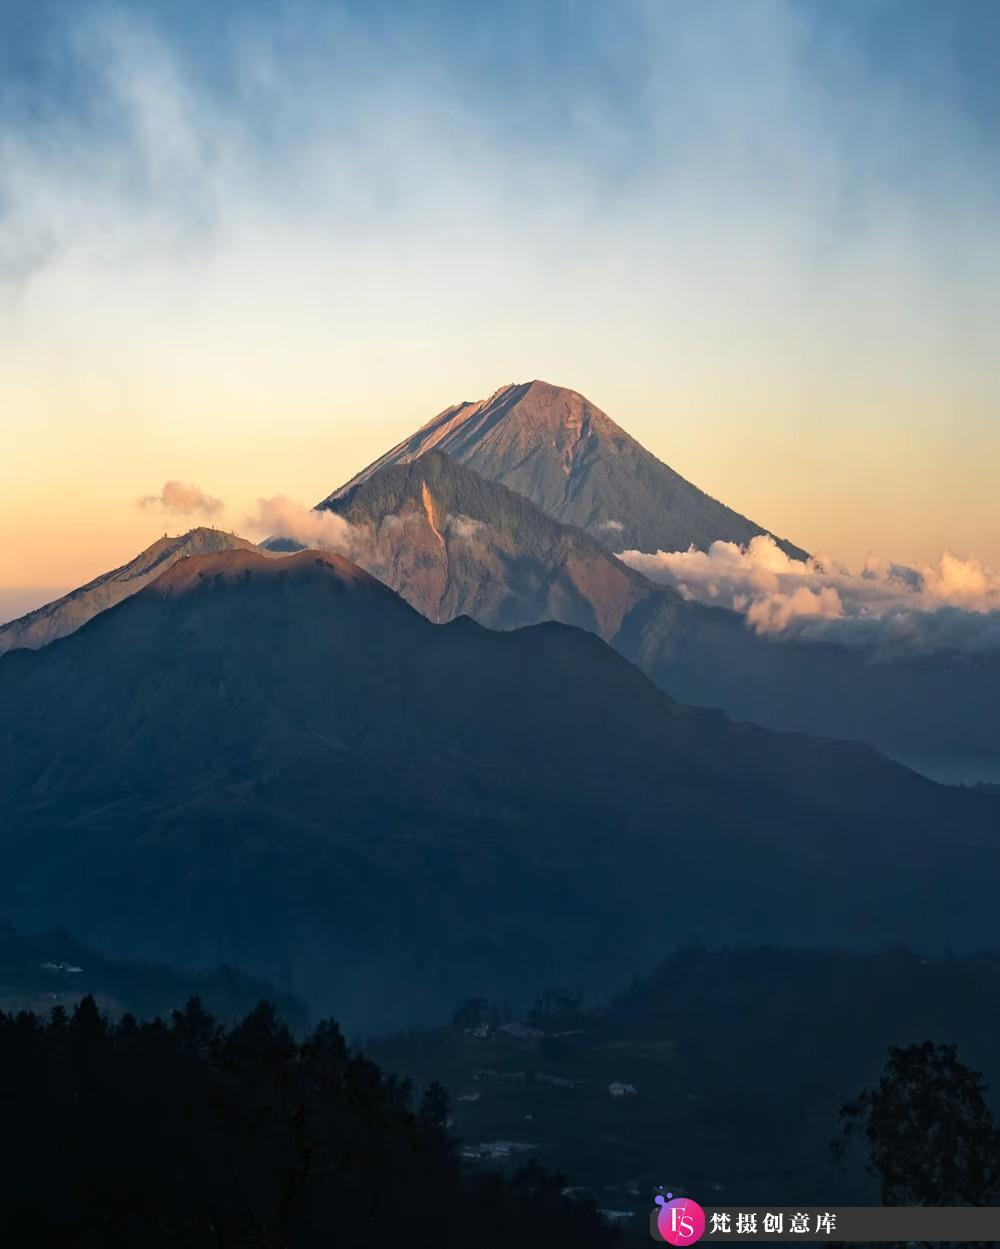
[953, 605]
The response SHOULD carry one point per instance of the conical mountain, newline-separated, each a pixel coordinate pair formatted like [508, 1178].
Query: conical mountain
[569, 458]
[65, 615]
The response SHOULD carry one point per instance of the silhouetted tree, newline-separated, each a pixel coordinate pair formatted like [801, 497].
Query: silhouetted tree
[183, 1134]
[470, 1013]
[931, 1137]
[557, 1008]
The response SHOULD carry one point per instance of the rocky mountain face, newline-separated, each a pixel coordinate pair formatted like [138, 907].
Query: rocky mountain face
[65, 615]
[278, 764]
[453, 543]
[557, 449]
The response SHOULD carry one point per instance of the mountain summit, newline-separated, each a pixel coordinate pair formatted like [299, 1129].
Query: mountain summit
[570, 459]
[67, 614]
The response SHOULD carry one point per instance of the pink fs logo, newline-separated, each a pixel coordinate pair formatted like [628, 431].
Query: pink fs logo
[680, 1221]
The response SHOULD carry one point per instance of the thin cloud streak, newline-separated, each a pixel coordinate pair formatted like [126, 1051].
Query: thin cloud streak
[183, 498]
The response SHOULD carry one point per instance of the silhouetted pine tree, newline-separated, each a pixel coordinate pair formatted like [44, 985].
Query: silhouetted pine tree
[182, 1134]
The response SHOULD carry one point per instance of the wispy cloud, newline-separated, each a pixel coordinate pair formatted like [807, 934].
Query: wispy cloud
[183, 498]
[464, 528]
[362, 173]
[370, 546]
[280, 517]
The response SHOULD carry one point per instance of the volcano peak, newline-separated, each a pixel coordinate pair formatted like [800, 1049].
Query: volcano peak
[558, 449]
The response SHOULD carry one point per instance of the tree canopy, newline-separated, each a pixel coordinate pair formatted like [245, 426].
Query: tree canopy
[180, 1132]
[931, 1135]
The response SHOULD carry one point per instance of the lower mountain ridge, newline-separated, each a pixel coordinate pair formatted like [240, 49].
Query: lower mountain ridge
[64, 615]
[453, 543]
[279, 764]
[40, 971]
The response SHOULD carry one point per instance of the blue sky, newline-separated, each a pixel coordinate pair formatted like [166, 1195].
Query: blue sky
[519, 56]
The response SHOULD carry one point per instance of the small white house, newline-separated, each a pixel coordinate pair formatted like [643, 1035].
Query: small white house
[521, 1031]
[617, 1089]
[503, 1149]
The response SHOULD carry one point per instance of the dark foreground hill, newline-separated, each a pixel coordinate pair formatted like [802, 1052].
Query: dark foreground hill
[278, 764]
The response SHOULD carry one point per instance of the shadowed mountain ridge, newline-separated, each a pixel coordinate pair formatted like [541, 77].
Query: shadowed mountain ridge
[279, 764]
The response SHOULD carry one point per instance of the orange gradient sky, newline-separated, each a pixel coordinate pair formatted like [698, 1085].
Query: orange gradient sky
[792, 299]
